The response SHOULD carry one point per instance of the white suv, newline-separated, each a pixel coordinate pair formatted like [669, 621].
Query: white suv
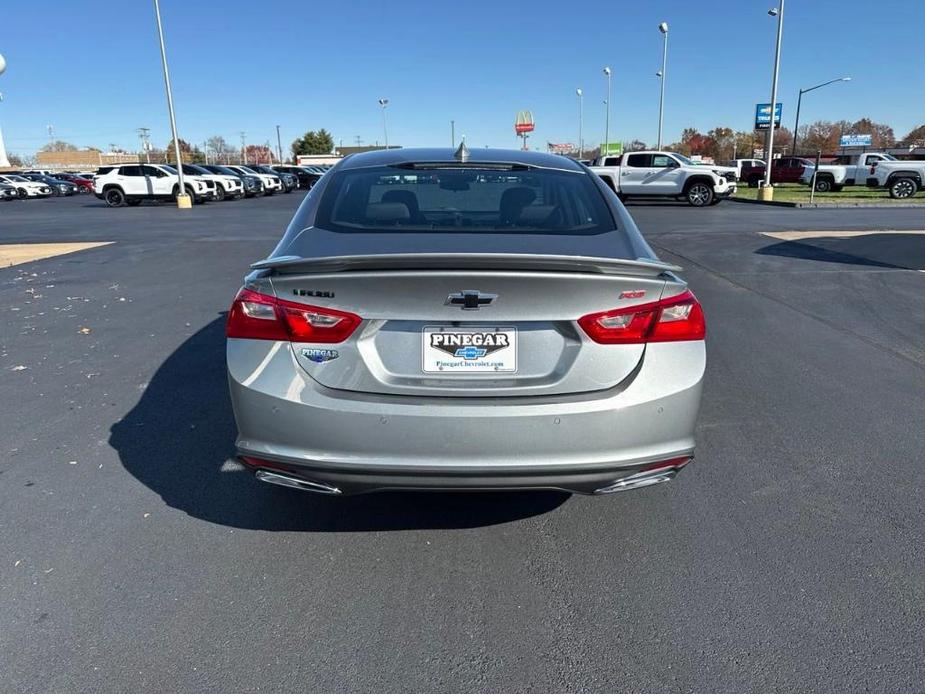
[132, 183]
[271, 184]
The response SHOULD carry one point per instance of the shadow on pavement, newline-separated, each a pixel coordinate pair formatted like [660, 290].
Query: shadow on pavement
[178, 437]
[899, 250]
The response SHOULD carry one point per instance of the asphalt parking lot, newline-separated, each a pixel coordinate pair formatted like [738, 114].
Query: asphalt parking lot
[137, 556]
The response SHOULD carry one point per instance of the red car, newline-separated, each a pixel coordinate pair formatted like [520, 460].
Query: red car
[783, 170]
[85, 184]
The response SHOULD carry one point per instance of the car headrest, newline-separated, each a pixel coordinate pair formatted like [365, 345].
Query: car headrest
[387, 212]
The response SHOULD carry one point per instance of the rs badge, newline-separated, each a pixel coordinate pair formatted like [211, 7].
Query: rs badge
[319, 356]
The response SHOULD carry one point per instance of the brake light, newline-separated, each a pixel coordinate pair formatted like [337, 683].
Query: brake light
[262, 317]
[670, 320]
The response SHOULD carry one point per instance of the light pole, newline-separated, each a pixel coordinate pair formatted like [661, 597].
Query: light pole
[767, 192]
[4, 161]
[663, 27]
[279, 146]
[606, 145]
[581, 142]
[183, 200]
[383, 103]
[796, 126]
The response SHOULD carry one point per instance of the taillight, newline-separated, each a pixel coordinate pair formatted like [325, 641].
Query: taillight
[669, 320]
[262, 317]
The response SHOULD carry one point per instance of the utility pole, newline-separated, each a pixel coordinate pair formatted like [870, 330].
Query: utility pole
[145, 143]
[243, 148]
[581, 118]
[279, 146]
[358, 140]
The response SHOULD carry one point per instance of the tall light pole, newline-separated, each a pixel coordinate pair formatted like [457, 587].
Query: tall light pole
[663, 27]
[581, 117]
[279, 146]
[4, 161]
[385, 129]
[243, 148]
[767, 192]
[183, 200]
[606, 145]
[796, 125]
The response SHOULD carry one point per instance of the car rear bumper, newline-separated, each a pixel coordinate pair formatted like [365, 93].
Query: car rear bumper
[367, 442]
[362, 479]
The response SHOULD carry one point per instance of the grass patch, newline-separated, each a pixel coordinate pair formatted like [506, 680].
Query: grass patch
[795, 192]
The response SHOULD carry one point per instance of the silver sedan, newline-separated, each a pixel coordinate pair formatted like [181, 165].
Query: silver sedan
[452, 320]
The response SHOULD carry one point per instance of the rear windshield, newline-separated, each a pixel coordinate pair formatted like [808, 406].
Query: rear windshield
[455, 198]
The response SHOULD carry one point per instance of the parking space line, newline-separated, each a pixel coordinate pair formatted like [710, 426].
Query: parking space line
[18, 253]
[801, 235]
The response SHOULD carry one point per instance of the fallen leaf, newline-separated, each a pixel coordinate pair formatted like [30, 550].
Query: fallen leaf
[85, 331]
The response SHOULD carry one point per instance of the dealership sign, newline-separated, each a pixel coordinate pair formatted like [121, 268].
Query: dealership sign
[611, 148]
[763, 116]
[855, 141]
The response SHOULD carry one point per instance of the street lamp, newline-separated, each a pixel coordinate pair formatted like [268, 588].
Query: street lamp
[183, 200]
[383, 103]
[581, 142]
[4, 161]
[796, 126]
[663, 27]
[606, 145]
[767, 192]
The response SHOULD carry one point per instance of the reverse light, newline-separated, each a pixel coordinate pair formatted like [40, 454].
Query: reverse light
[675, 319]
[259, 316]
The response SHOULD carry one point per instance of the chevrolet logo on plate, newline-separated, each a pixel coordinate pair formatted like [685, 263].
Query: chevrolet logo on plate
[470, 299]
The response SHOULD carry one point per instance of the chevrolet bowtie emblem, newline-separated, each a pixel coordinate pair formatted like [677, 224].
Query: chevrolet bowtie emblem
[470, 299]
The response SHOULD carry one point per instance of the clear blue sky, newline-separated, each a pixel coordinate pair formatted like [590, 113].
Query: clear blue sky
[92, 68]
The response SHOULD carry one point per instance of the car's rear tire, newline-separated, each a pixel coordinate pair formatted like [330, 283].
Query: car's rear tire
[699, 194]
[824, 184]
[114, 197]
[902, 188]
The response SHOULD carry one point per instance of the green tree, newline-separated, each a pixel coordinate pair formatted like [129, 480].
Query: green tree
[313, 142]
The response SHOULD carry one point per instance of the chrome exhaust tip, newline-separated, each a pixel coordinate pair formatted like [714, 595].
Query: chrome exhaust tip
[284, 480]
[647, 478]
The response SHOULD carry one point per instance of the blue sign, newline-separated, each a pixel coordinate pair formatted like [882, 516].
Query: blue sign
[855, 141]
[763, 116]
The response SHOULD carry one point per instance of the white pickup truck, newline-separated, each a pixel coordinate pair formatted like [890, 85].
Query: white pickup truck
[664, 175]
[902, 178]
[845, 170]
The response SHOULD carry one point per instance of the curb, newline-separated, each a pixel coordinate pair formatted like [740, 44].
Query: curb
[832, 205]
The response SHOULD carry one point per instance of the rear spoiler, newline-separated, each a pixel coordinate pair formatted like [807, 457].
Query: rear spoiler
[643, 267]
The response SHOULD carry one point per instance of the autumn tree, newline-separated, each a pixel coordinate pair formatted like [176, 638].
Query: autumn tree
[915, 136]
[259, 154]
[58, 146]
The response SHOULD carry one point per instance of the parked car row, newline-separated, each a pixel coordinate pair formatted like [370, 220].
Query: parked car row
[902, 179]
[130, 184]
[28, 184]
